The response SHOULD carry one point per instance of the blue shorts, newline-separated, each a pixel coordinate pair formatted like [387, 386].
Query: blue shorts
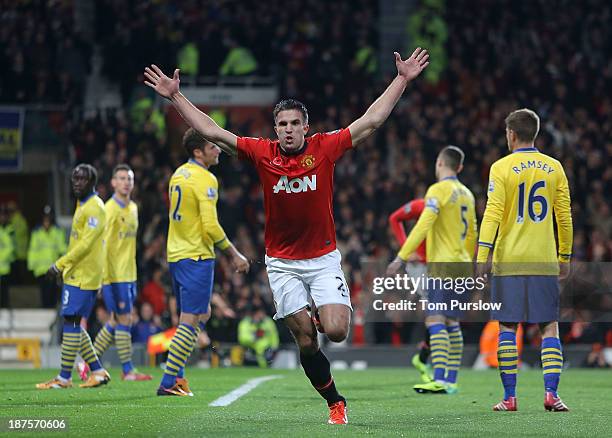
[77, 302]
[119, 297]
[446, 302]
[192, 284]
[526, 298]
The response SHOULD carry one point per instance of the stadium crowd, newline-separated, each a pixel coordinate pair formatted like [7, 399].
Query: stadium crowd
[499, 59]
[294, 41]
[45, 59]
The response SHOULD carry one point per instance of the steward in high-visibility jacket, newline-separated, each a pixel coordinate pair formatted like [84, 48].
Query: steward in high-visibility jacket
[7, 255]
[47, 244]
[259, 335]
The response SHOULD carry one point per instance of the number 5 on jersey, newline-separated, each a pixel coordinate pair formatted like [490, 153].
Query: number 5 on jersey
[464, 210]
[175, 213]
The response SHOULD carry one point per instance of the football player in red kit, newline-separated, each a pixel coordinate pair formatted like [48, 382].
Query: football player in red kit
[296, 173]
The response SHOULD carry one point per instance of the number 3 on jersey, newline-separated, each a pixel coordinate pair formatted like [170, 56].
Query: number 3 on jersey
[175, 213]
[531, 202]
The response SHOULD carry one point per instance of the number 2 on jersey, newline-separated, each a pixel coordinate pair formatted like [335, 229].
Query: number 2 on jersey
[176, 189]
[533, 199]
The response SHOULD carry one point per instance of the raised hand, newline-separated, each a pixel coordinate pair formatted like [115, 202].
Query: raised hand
[162, 84]
[413, 66]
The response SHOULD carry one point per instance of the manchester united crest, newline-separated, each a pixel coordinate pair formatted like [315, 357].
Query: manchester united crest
[307, 161]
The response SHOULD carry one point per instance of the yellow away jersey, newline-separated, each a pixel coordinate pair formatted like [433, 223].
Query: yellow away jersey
[120, 240]
[194, 229]
[83, 264]
[448, 222]
[525, 189]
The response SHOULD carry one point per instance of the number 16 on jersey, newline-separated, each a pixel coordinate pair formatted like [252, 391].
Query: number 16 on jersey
[531, 203]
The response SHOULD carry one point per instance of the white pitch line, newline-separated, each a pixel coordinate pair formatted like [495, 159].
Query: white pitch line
[250, 385]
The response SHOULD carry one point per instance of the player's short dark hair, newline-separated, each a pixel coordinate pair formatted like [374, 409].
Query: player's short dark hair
[525, 123]
[193, 140]
[120, 167]
[92, 173]
[453, 157]
[291, 104]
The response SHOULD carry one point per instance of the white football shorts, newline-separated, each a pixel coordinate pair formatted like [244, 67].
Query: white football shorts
[293, 282]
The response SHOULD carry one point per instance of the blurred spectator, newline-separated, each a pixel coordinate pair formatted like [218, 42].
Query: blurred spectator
[258, 334]
[154, 293]
[220, 328]
[98, 318]
[149, 324]
[366, 60]
[21, 236]
[17, 80]
[47, 244]
[596, 358]
[188, 60]
[140, 111]
[72, 61]
[7, 250]
[239, 61]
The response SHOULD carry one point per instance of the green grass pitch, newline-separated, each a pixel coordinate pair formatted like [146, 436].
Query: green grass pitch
[381, 403]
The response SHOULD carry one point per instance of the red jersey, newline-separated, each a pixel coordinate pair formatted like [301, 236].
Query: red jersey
[298, 191]
[408, 212]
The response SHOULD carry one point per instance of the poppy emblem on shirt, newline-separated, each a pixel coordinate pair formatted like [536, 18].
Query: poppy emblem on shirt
[307, 161]
[433, 204]
[92, 222]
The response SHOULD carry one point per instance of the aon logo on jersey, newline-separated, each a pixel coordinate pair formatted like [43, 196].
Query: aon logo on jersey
[296, 185]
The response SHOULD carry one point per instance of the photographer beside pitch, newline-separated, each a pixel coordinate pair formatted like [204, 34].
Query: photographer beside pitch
[525, 188]
[297, 178]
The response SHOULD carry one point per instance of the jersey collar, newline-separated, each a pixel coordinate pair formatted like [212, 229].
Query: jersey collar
[118, 201]
[87, 198]
[450, 177]
[192, 161]
[294, 153]
[531, 149]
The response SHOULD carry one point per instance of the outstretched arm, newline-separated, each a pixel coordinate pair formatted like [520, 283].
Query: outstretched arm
[198, 120]
[378, 112]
